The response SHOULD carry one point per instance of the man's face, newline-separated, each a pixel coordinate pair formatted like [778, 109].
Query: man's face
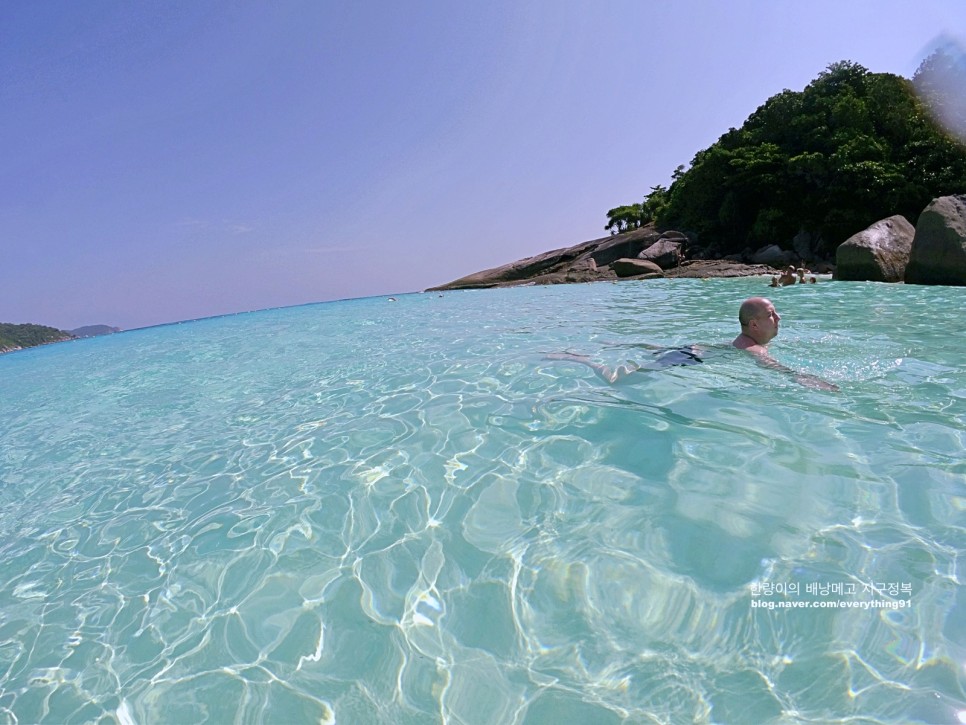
[767, 322]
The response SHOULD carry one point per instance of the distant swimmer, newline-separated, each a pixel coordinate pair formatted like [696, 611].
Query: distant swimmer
[759, 325]
[788, 276]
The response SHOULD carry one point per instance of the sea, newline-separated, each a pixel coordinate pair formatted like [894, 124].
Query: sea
[407, 510]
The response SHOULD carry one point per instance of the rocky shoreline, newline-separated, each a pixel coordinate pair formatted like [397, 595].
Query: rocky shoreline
[707, 268]
[933, 251]
[640, 254]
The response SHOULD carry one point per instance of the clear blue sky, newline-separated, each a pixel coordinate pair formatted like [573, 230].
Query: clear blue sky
[175, 160]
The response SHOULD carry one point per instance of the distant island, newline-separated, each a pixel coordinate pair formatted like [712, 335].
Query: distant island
[17, 337]
[94, 330]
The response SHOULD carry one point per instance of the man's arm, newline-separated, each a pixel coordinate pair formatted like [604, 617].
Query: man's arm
[806, 379]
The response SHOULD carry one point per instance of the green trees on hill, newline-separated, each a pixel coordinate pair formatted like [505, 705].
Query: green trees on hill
[14, 336]
[853, 147]
[633, 216]
[625, 218]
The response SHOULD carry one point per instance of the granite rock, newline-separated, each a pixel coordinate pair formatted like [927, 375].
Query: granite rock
[879, 253]
[938, 254]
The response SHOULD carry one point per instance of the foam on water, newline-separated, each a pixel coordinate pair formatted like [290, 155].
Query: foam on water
[401, 512]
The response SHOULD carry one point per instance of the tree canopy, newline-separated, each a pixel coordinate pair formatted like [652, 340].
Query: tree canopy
[851, 148]
[14, 336]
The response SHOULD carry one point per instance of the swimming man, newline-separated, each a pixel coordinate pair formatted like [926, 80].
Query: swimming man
[759, 325]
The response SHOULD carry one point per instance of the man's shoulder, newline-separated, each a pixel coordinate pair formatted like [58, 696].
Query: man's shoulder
[754, 348]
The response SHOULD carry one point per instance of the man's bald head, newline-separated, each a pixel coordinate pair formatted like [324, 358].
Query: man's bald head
[752, 308]
[759, 322]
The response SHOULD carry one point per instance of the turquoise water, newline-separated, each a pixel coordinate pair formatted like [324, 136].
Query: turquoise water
[400, 512]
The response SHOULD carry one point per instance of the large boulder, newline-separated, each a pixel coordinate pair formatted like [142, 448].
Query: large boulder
[675, 236]
[938, 253]
[876, 254]
[665, 253]
[628, 244]
[635, 267]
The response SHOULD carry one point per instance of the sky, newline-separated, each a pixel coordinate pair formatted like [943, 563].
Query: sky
[170, 161]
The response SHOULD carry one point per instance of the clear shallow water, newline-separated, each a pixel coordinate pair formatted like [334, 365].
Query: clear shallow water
[400, 512]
